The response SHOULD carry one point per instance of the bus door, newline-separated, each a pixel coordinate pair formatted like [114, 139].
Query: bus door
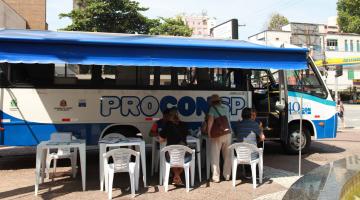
[269, 99]
[282, 105]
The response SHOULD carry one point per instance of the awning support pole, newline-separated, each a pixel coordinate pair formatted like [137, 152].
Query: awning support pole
[300, 142]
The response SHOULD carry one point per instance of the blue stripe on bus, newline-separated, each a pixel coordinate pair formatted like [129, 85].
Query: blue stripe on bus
[328, 130]
[312, 98]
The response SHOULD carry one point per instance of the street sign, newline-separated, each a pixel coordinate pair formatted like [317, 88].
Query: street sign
[356, 82]
[226, 30]
[338, 61]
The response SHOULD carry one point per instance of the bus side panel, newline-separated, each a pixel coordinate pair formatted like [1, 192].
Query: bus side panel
[24, 135]
[32, 134]
[328, 130]
[321, 112]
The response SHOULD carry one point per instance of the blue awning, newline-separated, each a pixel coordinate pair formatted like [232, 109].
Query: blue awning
[29, 46]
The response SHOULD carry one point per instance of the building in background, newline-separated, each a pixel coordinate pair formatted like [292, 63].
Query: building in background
[200, 24]
[23, 14]
[9, 18]
[328, 47]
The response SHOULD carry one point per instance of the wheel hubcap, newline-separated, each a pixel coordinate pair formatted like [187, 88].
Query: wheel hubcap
[295, 140]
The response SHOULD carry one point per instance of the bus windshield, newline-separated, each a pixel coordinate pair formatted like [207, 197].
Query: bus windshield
[306, 81]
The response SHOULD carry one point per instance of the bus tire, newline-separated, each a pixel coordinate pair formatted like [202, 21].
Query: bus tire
[125, 130]
[292, 144]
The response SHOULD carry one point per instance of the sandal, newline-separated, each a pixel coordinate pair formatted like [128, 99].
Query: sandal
[177, 181]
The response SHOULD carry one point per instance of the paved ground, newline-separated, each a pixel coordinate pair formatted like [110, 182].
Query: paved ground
[17, 175]
[352, 119]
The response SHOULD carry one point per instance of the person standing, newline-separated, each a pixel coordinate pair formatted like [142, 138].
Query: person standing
[219, 132]
[341, 110]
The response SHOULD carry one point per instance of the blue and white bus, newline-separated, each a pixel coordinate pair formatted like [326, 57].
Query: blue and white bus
[93, 84]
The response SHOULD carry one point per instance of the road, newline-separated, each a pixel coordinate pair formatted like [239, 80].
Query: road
[352, 116]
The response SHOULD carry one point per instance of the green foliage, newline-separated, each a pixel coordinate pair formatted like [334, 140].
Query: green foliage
[120, 16]
[277, 21]
[171, 26]
[349, 15]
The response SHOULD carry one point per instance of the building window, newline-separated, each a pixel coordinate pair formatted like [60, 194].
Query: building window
[350, 74]
[332, 45]
[346, 46]
[358, 45]
[351, 45]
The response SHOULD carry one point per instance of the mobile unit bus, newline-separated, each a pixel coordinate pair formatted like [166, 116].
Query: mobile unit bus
[96, 84]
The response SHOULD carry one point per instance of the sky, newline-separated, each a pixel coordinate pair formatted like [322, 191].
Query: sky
[254, 14]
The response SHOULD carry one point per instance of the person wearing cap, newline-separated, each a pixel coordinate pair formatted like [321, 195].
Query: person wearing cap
[221, 143]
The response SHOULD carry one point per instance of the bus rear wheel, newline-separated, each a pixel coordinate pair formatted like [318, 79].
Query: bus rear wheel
[124, 130]
[293, 140]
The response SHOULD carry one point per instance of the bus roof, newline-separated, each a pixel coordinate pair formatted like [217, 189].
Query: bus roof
[30, 46]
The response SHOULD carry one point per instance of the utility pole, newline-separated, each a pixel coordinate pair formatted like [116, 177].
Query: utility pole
[324, 58]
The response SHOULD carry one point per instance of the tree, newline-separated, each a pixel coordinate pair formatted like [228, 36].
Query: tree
[349, 15]
[171, 26]
[277, 21]
[109, 16]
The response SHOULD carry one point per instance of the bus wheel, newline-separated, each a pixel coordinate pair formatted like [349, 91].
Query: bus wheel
[293, 140]
[125, 130]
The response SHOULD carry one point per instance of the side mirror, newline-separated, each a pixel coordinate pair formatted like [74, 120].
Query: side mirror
[280, 107]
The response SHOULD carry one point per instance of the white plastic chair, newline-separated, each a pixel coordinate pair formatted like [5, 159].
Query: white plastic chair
[121, 158]
[154, 155]
[177, 159]
[114, 136]
[61, 153]
[155, 152]
[246, 154]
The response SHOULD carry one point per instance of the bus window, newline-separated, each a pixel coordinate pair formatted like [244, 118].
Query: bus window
[81, 72]
[203, 77]
[187, 77]
[220, 78]
[259, 79]
[165, 76]
[306, 81]
[72, 74]
[126, 75]
[32, 74]
[4, 74]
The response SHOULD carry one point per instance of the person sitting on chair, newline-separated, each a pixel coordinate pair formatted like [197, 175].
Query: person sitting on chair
[248, 130]
[159, 124]
[174, 133]
[254, 117]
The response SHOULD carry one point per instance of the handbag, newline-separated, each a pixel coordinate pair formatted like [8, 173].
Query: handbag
[220, 126]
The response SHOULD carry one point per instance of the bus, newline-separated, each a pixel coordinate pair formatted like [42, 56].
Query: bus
[94, 84]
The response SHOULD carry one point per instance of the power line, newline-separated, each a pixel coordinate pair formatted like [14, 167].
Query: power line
[283, 5]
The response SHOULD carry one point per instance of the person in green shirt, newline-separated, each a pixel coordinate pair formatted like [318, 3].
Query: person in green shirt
[221, 143]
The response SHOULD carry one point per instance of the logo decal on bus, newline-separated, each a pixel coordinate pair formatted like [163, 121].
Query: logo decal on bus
[294, 108]
[63, 106]
[149, 105]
